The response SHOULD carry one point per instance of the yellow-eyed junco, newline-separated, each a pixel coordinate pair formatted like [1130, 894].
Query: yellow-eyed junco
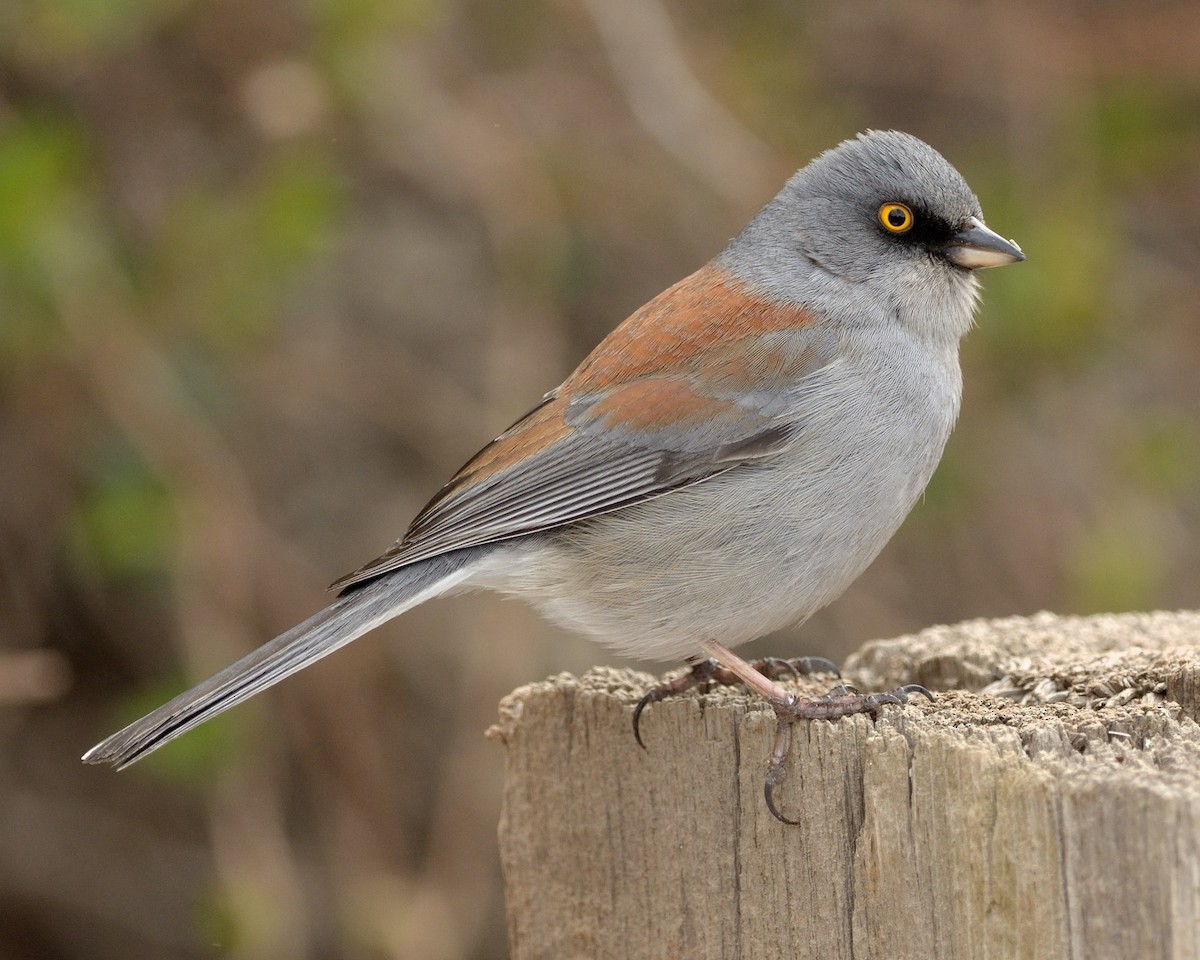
[724, 463]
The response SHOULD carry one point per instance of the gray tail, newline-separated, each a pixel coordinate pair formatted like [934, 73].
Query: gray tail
[347, 618]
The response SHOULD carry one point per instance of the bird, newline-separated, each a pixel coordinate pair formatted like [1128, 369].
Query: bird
[723, 464]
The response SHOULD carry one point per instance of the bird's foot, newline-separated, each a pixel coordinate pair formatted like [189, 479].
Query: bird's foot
[723, 666]
[841, 701]
[708, 671]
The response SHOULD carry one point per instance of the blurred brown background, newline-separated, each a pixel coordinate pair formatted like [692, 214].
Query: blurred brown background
[270, 271]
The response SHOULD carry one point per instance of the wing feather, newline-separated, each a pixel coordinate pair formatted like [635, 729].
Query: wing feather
[600, 443]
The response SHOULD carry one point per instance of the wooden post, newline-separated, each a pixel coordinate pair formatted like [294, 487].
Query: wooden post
[1047, 805]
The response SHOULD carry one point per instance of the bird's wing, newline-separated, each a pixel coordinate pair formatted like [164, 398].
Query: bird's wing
[631, 423]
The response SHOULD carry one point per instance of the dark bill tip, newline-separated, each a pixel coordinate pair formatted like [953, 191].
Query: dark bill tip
[975, 247]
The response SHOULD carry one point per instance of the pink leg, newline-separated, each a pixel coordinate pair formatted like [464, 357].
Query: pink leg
[843, 701]
[708, 671]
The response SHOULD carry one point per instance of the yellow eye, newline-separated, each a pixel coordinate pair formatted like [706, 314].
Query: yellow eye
[895, 217]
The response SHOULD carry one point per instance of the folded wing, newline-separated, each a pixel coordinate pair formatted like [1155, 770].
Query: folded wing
[638, 430]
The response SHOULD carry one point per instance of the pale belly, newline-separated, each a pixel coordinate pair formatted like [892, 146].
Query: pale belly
[731, 558]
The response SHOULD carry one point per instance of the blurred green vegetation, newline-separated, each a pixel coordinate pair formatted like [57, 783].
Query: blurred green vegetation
[124, 524]
[228, 259]
[269, 272]
[41, 164]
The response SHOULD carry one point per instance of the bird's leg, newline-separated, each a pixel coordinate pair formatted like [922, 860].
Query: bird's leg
[842, 701]
[709, 670]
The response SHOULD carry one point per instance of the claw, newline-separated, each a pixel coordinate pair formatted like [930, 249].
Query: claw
[775, 770]
[876, 700]
[642, 704]
[774, 778]
[807, 665]
[797, 667]
[701, 672]
[842, 701]
[773, 666]
[899, 696]
[768, 795]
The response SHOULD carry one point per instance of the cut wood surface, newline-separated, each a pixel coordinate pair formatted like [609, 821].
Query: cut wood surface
[1046, 805]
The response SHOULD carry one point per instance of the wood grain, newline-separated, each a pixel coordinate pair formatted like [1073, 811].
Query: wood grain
[1059, 820]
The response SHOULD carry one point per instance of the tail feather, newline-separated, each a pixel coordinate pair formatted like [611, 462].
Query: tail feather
[347, 618]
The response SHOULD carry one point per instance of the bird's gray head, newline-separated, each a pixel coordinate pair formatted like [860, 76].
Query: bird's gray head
[882, 218]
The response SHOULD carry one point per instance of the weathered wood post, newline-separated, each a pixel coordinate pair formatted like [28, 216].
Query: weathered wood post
[1047, 805]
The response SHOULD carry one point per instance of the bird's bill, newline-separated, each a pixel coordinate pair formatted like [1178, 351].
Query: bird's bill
[975, 247]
